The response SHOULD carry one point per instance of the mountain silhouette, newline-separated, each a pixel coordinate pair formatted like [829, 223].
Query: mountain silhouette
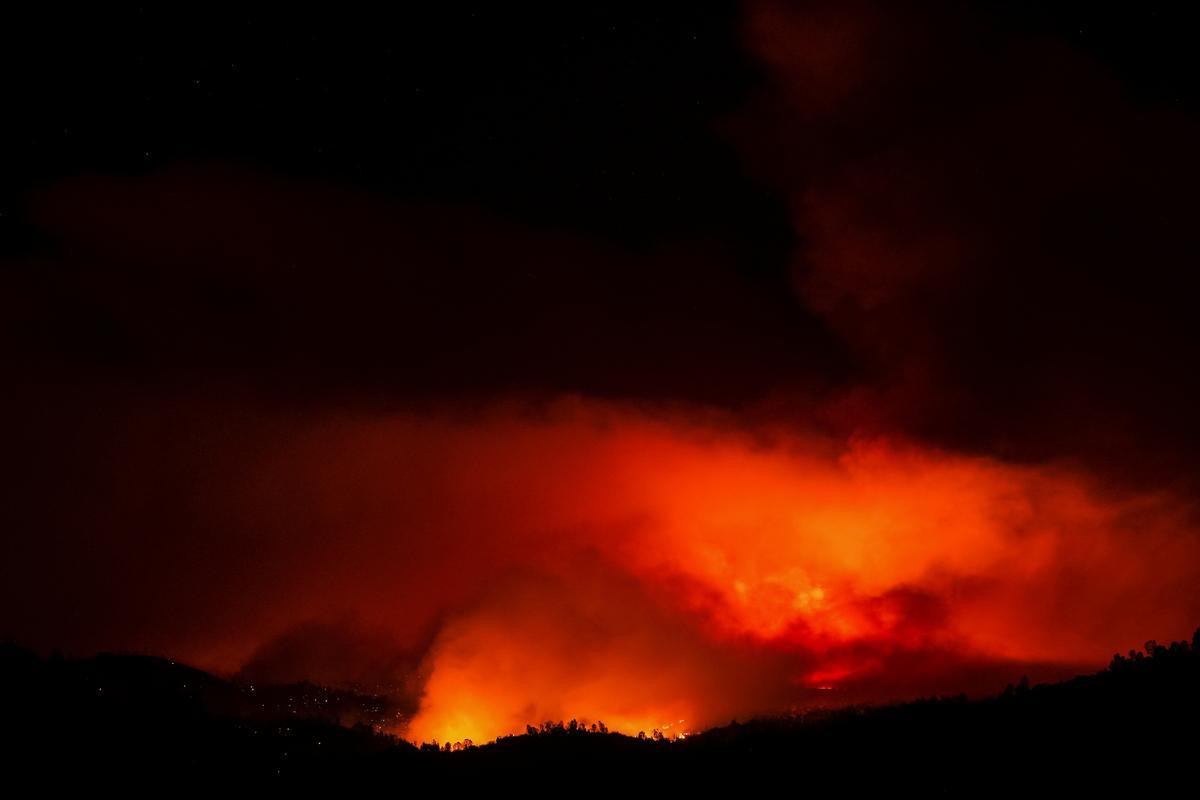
[140, 721]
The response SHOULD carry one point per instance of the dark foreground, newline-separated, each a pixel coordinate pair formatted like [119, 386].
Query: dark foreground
[149, 723]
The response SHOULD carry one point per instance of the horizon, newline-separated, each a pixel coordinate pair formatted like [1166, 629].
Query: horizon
[359, 706]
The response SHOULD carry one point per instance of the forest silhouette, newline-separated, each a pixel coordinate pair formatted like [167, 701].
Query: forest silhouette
[130, 720]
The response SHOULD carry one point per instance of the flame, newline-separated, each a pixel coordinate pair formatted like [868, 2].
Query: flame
[688, 572]
[517, 564]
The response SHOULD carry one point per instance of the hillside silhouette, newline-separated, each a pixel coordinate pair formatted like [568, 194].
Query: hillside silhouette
[132, 720]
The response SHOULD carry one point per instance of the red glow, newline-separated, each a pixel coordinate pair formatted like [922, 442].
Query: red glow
[508, 566]
[614, 566]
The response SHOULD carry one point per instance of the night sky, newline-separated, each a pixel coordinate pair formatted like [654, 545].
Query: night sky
[489, 355]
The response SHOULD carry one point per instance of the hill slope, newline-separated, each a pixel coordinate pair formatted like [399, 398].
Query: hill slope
[137, 720]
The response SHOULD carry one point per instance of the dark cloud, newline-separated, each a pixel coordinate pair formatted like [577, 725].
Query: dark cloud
[226, 274]
[999, 223]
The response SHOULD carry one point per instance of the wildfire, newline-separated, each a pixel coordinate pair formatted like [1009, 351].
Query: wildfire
[687, 573]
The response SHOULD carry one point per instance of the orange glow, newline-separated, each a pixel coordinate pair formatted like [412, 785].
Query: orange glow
[671, 570]
[510, 565]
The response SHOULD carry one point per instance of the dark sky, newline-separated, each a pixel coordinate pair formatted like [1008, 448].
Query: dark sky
[214, 194]
[967, 226]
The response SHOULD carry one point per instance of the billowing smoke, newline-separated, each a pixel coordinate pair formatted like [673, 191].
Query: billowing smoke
[993, 221]
[579, 559]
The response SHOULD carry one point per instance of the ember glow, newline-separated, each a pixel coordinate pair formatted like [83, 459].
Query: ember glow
[678, 571]
[581, 559]
[594, 561]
